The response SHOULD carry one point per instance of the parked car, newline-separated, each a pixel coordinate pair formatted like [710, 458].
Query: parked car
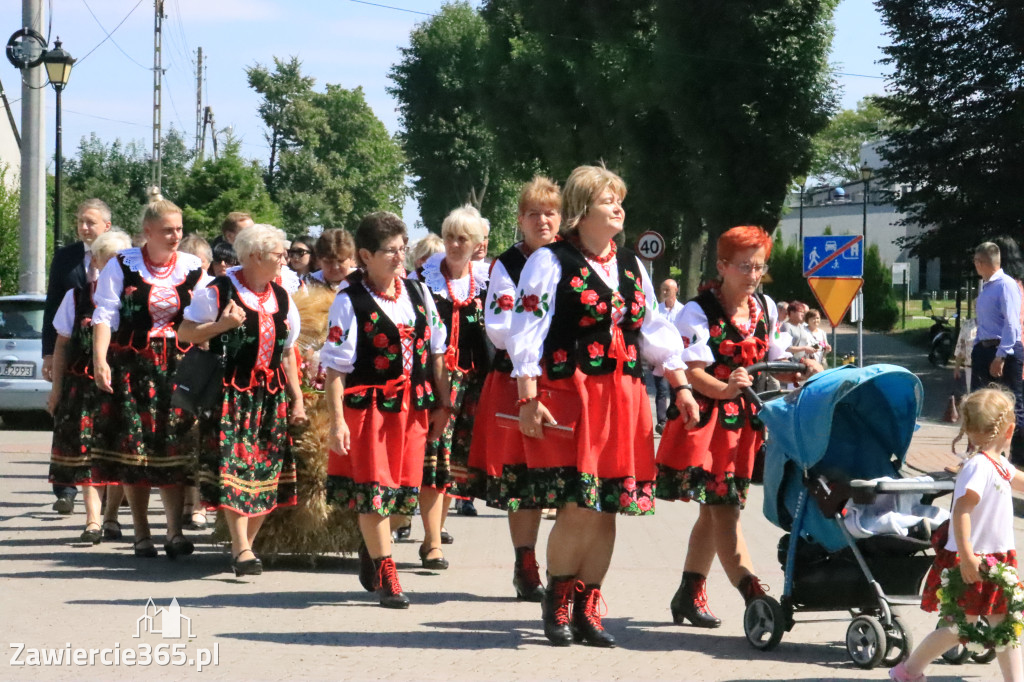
[23, 391]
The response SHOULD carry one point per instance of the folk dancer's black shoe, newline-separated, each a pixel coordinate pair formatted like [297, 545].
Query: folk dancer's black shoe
[390, 592]
[92, 533]
[526, 576]
[144, 548]
[251, 566]
[556, 607]
[435, 564]
[178, 546]
[368, 575]
[586, 617]
[751, 588]
[691, 602]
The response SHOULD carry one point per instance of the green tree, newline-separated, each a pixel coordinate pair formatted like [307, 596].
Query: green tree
[837, 147]
[787, 281]
[218, 186]
[285, 102]
[958, 72]
[10, 233]
[451, 150]
[706, 135]
[881, 310]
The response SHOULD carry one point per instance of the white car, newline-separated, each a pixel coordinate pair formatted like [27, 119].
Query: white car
[23, 391]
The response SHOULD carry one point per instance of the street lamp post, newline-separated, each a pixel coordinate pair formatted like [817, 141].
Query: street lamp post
[58, 68]
[865, 175]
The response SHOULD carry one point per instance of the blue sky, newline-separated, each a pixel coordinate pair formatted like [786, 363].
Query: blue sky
[339, 41]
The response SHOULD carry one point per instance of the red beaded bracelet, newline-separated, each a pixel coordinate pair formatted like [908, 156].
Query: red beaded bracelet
[525, 401]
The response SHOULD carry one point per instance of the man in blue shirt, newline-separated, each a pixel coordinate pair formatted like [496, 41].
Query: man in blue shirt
[996, 357]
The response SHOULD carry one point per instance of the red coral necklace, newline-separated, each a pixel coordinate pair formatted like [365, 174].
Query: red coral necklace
[451, 294]
[747, 330]
[263, 296]
[384, 294]
[159, 271]
[1003, 472]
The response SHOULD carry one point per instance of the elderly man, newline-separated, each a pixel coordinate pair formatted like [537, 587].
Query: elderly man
[672, 309]
[71, 268]
[996, 356]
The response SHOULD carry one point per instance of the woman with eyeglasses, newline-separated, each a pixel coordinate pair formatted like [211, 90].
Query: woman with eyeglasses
[387, 394]
[727, 328]
[301, 256]
[584, 314]
[245, 464]
[457, 284]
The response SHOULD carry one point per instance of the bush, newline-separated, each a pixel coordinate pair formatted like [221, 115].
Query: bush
[881, 310]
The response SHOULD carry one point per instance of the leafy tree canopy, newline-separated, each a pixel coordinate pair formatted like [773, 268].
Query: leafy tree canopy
[837, 147]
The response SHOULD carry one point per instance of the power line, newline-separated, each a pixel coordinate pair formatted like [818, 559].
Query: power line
[181, 30]
[111, 33]
[170, 93]
[397, 9]
[142, 66]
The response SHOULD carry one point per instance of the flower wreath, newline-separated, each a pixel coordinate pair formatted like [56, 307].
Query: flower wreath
[979, 636]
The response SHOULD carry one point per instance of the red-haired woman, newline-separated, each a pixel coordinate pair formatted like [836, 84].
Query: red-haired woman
[726, 329]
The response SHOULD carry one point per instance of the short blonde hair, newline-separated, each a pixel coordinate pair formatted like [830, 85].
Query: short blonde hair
[468, 221]
[984, 416]
[426, 247]
[259, 240]
[198, 247]
[106, 245]
[582, 189]
[540, 190]
[155, 210]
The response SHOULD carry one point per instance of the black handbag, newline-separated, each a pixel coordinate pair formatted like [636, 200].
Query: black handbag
[199, 380]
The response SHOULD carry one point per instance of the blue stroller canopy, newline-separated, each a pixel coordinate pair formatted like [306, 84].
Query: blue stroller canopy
[855, 421]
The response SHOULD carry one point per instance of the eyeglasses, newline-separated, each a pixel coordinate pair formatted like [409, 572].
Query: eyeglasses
[391, 253]
[747, 268]
[278, 255]
[298, 253]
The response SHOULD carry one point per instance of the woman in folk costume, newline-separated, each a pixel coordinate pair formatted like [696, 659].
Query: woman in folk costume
[386, 388]
[579, 325]
[726, 329]
[497, 459]
[245, 464]
[73, 397]
[140, 297]
[457, 284]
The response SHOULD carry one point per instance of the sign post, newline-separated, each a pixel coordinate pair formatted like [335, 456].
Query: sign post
[834, 268]
[651, 246]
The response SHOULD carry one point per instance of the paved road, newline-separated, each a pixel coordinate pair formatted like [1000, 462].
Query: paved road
[296, 622]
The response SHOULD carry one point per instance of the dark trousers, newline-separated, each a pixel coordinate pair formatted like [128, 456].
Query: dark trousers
[65, 491]
[981, 359]
[662, 392]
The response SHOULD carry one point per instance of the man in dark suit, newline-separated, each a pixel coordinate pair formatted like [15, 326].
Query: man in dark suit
[69, 269]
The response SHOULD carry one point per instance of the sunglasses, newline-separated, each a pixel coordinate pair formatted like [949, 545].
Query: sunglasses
[298, 253]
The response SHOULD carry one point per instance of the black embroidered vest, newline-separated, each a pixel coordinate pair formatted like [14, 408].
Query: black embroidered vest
[514, 261]
[379, 352]
[79, 348]
[474, 346]
[731, 351]
[241, 346]
[581, 331]
[136, 321]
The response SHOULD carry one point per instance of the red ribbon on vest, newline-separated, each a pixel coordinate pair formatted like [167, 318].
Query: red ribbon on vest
[751, 349]
[391, 387]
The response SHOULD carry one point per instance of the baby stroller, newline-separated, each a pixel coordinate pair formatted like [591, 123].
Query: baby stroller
[826, 442]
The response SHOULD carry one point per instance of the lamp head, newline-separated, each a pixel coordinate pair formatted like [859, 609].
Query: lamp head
[865, 172]
[58, 65]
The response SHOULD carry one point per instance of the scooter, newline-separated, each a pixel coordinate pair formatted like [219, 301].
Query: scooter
[941, 334]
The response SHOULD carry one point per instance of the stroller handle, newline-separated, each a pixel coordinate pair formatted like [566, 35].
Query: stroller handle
[772, 368]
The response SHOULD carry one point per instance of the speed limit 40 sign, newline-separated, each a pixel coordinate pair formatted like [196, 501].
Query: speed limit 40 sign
[650, 245]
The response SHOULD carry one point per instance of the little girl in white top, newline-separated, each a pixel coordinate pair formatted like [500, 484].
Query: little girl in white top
[981, 537]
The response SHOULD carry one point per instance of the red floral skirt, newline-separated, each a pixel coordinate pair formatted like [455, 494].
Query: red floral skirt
[980, 599]
[494, 443]
[613, 434]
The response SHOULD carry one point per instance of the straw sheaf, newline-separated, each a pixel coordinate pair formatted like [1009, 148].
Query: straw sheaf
[313, 306]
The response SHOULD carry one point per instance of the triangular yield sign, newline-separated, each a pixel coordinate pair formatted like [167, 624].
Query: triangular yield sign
[835, 294]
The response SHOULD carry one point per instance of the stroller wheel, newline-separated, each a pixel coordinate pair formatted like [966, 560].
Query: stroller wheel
[763, 623]
[985, 656]
[899, 642]
[866, 642]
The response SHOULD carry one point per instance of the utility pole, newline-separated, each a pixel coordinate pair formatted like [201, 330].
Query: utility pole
[158, 23]
[32, 260]
[199, 98]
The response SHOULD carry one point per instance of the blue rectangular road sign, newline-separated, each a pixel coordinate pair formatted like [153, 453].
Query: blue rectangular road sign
[842, 256]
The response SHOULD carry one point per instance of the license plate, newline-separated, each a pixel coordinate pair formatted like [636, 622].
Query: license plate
[18, 370]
